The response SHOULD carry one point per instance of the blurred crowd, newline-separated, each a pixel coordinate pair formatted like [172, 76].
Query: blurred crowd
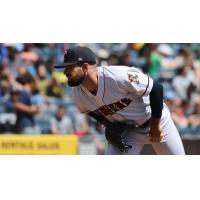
[35, 98]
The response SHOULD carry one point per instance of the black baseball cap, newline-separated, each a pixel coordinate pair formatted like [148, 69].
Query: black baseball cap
[77, 55]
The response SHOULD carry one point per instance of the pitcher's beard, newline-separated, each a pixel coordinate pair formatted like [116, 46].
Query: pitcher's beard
[76, 82]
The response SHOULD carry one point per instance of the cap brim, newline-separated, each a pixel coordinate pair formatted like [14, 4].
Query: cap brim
[63, 65]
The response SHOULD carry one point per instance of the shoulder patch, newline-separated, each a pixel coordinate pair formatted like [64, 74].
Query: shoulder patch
[133, 78]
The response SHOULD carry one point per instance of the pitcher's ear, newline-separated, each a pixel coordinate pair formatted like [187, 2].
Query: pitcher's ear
[85, 66]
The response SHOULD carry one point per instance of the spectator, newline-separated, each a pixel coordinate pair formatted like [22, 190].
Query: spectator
[178, 113]
[37, 99]
[97, 132]
[184, 83]
[4, 82]
[61, 123]
[80, 123]
[153, 62]
[55, 88]
[194, 118]
[114, 59]
[42, 78]
[23, 107]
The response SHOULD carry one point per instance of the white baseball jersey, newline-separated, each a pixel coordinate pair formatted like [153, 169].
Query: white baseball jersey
[123, 94]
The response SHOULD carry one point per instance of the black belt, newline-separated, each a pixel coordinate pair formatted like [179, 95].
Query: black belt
[145, 125]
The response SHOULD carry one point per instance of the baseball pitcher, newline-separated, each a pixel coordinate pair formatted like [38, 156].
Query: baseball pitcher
[126, 101]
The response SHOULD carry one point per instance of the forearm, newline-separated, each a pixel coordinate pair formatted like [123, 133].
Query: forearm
[55, 131]
[154, 122]
[25, 108]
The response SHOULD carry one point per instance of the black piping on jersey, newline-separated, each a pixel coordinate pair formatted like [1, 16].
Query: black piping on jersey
[104, 83]
[146, 88]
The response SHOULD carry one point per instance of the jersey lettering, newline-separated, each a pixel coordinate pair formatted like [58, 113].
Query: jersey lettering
[105, 110]
[111, 109]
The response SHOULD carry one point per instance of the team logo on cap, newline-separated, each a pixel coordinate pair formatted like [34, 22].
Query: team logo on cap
[133, 78]
[80, 59]
[65, 52]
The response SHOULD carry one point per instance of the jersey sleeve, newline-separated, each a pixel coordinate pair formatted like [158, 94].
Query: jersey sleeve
[136, 82]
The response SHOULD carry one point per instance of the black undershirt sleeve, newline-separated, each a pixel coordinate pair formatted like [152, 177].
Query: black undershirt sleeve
[156, 100]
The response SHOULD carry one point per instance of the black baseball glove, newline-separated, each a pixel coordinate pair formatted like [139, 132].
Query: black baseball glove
[115, 132]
